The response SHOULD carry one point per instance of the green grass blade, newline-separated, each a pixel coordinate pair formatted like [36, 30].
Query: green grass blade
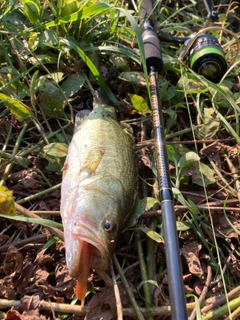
[96, 9]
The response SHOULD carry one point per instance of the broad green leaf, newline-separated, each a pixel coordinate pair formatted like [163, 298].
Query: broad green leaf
[182, 226]
[32, 10]
[188, 161]
[173, 153]
[48, 38]
[119, 61]
[72, 84]
[190, 84]
[17, 108]
[7, 206]
[69, 6]
[42, 59]
[10, 86]
[51, 100]
[139, 104]
[151, 234]
[56, 149]
[135, 77]
[191, 166]
[202, 175]
[210, 125]
[144, 205]
[53, 166]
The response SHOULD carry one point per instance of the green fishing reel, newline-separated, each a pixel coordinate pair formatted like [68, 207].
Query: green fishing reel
[206, 57]
[203, 53]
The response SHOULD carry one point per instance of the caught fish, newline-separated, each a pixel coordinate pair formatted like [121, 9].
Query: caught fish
[98, 191]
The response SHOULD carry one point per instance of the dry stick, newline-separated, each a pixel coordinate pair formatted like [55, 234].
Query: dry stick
[46, 213]
[223, 310]
[146, 312]
[204, 292]
[39, 238]
[117, 295]
[146, 289]
[76, 309]
[138, 313]
[218, 302]
[57, 307]
[150, 142]
[182, 209]
[39, 194]
[29, 214]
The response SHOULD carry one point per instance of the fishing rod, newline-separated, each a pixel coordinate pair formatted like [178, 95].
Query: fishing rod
[154, 63]
[204, 55]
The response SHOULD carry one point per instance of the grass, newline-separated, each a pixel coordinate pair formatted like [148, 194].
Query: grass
[53, 56]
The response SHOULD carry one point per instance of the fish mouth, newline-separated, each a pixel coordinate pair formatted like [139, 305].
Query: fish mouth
[85, 249]
[85, 237]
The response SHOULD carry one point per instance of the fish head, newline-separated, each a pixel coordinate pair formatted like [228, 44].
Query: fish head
[91, 231]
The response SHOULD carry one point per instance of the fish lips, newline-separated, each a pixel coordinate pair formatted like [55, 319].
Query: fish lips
[85, 230]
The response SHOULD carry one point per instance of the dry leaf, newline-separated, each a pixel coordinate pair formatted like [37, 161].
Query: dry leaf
[13, 261]
[190, 250]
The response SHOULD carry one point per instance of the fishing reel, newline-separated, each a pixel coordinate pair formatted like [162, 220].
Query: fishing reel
[201, 51]
[205, 56]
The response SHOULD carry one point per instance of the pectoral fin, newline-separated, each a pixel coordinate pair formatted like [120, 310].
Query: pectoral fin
[93, 160]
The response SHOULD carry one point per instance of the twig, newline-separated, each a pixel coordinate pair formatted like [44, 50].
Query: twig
[76, 309]
[28, 213]
[117, 295]
[203, 293]
[182, 209]
[146, 289]
[39, 194]
[221, 311]
[39, 238]
[138, 313]
[57, 307]
[221, 300]
[46, 213]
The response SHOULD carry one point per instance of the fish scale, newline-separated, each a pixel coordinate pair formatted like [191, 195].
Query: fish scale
[98, 191]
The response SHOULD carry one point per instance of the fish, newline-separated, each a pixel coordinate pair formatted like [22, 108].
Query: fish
[98, 191]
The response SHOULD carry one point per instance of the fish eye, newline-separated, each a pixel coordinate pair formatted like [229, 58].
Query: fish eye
[109, 225]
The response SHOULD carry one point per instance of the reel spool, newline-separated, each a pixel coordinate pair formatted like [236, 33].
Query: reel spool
[206, 57]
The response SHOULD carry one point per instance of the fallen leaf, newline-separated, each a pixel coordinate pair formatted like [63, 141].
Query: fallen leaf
[190, 250]
[13, 261]
[64, 283]
[7, 205]
[103, 305]
[13, 315]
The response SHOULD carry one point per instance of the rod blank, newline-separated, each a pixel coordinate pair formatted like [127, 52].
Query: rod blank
[154, 63]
